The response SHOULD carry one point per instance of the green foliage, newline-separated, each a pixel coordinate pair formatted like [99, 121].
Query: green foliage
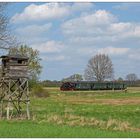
[74, 77]
[38, 91]
[34, 59]
[32, 83]
[120, 79]
[49, 83]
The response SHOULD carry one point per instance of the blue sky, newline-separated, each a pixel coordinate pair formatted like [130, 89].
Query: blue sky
[69, 34]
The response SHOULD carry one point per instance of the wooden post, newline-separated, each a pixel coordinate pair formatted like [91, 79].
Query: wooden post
[1, 112]
[8, 105]
[28, 113]
[8, 110]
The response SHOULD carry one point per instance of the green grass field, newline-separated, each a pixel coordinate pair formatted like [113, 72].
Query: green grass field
[79, 114]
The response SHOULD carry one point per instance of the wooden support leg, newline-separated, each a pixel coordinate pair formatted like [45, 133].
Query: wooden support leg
[8, 111]
[28, 102]
[1, 112]
[15, 94]
[28, 112]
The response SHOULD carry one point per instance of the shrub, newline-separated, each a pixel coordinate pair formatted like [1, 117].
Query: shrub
[38, 91]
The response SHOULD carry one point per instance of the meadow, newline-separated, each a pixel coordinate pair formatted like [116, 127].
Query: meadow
[79, 114]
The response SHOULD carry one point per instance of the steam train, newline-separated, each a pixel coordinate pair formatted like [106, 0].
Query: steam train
[90, 85]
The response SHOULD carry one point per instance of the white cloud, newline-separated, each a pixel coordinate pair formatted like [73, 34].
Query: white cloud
[100, 17]
[106, 50]
[128, 6]
[134, 54]
[81, 6]
[92, 24]
[100, 28]
[49, 47]
[86, 50]
[130, 54]
[114, 51]
[47, 11]
[33, 30]
[119, 27]
[54, 58]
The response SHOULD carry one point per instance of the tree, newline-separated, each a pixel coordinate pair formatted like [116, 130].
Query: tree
[131, 77]
[99, 68]
[49, 83]
[120, 79]
[74, 77]
[6, 39]
[34, 59]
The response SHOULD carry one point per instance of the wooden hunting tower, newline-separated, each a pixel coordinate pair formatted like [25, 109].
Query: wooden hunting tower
[14, 96]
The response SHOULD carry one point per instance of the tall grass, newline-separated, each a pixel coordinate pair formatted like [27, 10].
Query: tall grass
[74, 120]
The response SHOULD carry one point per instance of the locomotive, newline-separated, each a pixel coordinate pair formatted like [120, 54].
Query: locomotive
[92, 85]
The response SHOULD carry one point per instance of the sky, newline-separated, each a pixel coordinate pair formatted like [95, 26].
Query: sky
[69, 34]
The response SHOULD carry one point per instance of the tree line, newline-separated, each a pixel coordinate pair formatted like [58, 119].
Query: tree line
[100, 69]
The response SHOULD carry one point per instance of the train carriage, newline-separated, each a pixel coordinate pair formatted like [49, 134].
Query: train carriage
[89, 85]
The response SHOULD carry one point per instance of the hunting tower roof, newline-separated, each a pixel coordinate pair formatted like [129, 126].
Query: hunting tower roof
[17, 57]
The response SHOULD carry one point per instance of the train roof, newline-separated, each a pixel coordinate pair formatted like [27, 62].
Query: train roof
[93, 82]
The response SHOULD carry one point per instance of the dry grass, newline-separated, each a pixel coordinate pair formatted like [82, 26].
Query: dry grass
[88, 100]
[74, 120]
[133, 89]
[132, 101]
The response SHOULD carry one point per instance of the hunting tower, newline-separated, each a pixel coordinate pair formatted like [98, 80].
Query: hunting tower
[14, 94]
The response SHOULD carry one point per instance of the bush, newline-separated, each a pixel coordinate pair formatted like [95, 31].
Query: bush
[38, 91]
[32, 84]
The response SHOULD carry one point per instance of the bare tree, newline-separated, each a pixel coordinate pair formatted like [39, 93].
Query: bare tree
[99, 68]
[6, 39]
[131, 77]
